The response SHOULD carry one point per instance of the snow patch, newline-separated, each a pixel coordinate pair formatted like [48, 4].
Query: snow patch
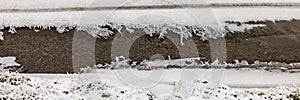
[65, 88]
[71, 86]
[9, 61]
[206, 90]
[8, 64]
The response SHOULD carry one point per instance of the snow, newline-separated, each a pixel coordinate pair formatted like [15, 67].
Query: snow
[107, 84]
[122, 62]
[154, 80]
[246, 78]
[65, 88]
[8, 61]
[154, 84]
[8, 64]
[244, 82]
[33, 4]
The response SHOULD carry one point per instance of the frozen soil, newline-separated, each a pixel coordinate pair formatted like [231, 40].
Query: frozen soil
[277, 41]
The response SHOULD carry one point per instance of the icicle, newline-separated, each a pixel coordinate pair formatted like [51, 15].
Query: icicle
[1, 36]
[1, 27]
[61, 28]
[12, 29]
[163, 32]
[96, 31]
[36, 30]
[181, 39]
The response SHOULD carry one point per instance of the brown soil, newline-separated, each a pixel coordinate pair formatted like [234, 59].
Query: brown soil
[47, 51]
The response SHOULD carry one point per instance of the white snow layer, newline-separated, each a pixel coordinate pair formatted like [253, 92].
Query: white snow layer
[208, 23]
[32, 4]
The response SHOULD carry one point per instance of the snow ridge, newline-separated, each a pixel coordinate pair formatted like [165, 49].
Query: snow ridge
[122, 62]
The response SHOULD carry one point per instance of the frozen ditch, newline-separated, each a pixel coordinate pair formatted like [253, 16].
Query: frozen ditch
[179, 79]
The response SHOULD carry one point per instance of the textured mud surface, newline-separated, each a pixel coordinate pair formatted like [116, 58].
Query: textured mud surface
[47, 51]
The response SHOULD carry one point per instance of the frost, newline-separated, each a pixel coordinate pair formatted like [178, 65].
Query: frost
[122, 62]
[184, 31]
[61, 29]
[96, 31]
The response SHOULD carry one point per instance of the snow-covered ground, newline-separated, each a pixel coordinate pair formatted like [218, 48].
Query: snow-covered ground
[129, 83]
[32, 4]
[107, 84]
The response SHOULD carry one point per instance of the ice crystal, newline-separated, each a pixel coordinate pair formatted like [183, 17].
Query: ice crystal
[184, 31]
[1, 36]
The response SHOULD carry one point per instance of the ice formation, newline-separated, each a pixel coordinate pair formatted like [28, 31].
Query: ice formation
[192, 63]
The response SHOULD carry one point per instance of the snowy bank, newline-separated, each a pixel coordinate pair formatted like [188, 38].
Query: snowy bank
[83, 87]
[34, 4]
